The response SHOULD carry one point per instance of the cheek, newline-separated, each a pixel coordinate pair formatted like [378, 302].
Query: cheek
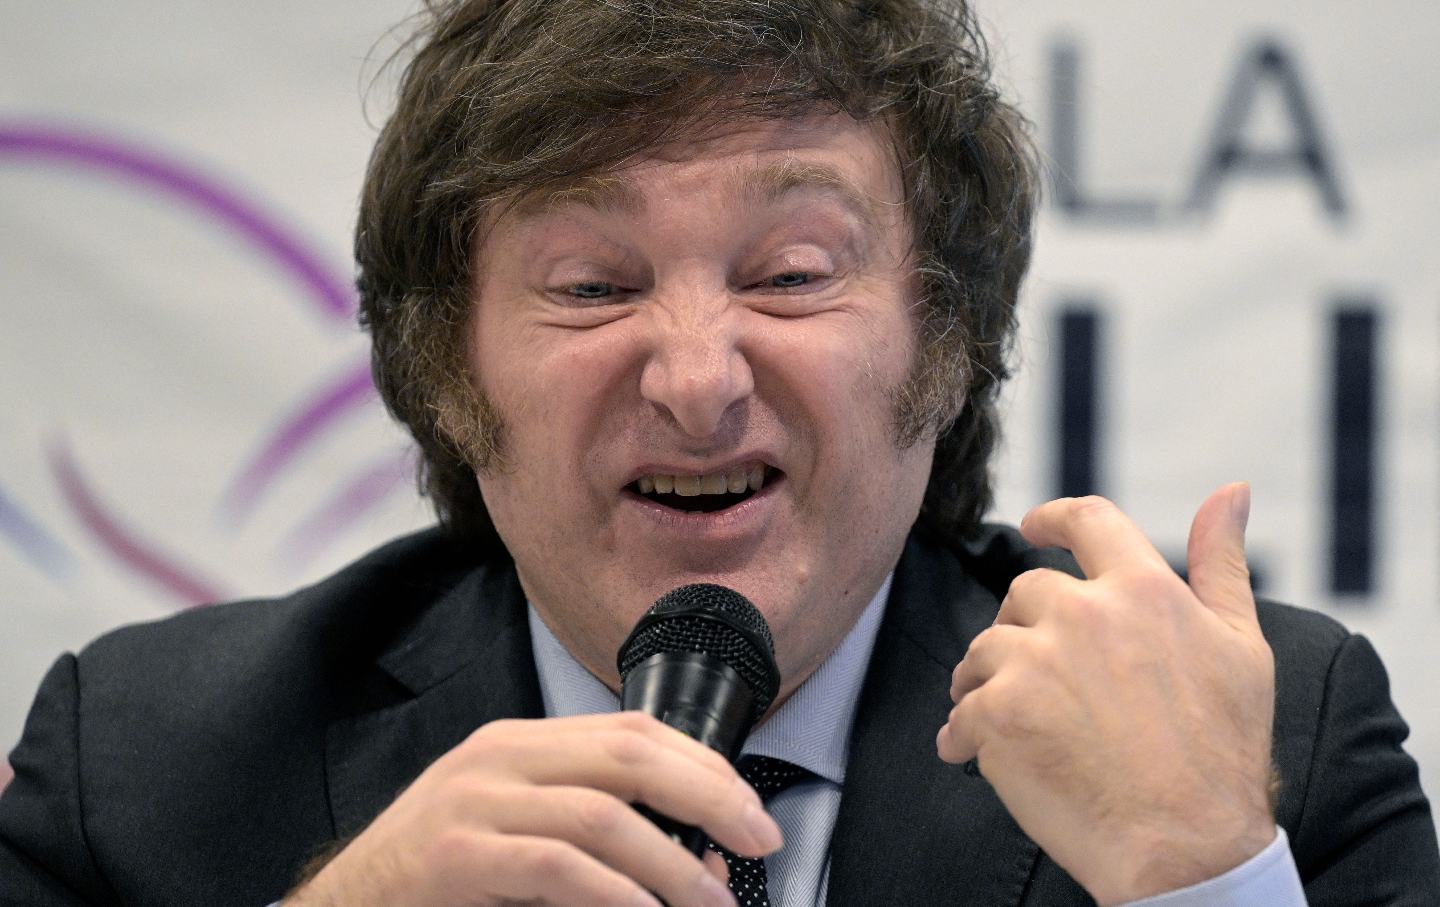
[552, 387]
[560, 395]
[863, 377]
[856, 378]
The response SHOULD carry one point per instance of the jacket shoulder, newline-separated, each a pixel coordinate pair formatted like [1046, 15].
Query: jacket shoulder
[193, 734]
[346, 616]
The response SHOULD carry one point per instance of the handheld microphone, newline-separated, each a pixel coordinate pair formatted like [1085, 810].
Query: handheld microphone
[702, 661]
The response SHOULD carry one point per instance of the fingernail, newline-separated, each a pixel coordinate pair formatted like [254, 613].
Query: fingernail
[762, 828]
[1240, 505]
[712, 892]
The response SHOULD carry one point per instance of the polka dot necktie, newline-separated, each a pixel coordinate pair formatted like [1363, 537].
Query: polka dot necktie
[769, 776]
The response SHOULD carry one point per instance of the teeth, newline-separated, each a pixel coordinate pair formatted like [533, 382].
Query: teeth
[737, 481]
[687, 486]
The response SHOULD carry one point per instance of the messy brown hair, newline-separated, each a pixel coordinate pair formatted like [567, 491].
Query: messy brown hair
[507, 97]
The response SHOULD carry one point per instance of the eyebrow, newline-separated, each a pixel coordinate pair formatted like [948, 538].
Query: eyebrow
[601, 191]
[774, 181]
[609, 192]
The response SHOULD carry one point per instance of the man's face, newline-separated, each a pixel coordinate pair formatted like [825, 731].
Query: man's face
[735, 309]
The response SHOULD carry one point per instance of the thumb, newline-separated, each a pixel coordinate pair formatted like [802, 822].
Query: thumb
[1219, 575]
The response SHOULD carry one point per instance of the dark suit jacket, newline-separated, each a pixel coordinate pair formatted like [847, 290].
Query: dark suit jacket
[203, 759]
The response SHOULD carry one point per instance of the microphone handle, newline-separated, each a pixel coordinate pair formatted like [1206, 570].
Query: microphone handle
[700, 696]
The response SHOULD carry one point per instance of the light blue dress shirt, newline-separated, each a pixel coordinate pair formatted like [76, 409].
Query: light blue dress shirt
[812, 730]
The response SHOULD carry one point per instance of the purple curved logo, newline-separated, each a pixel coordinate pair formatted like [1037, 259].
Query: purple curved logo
[323, 288]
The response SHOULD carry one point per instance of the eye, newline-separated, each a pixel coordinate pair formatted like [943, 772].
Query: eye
[591, 289]
[790, 280]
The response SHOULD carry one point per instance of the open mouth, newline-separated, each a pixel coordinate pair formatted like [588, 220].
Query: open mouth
[707, 493]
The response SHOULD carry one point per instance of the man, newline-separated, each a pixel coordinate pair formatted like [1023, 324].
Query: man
[718, 291]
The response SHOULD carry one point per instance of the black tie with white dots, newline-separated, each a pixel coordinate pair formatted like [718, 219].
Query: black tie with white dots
[769, 776]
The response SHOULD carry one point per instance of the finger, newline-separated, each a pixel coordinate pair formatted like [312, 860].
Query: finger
[988, 651]
[956, 741]
[636, 767]
[1032, 595]
[635, 721]
[1093, 529]
[544, 870]
[611, 831]
[1219, 574]
[716, 866]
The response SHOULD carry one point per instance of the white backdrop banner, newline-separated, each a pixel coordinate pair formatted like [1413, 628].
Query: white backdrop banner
[1235, 279]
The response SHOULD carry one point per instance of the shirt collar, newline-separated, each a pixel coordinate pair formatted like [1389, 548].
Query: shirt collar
[812, 728]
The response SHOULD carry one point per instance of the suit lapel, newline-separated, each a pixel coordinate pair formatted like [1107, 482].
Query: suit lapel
[466, 661]
[912, 829]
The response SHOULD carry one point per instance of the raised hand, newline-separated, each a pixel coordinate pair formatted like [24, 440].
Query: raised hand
[1125, 719]
[539, 812]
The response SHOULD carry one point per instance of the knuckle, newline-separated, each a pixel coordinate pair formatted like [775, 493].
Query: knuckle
[958, 672]
[985, 719]
[630, 747]
[636, 721]
[1236, 567]
[967, 713]
[1088, 606]
[465, 791]
[598, 815]
[967, 719]
[493, 736]
[1091, 506]
[1157, 585]
[546, 858]
[486, 751]
[1005, 713]
[1021, 585]
[996, 706]
[980, 645]
[500, 727]
[1037, 650]
[456, 850]
[528, 870]
[986, 708]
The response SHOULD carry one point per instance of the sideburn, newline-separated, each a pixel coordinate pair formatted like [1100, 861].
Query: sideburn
[932, 396]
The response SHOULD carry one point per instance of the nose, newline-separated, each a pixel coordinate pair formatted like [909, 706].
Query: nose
[697, 371]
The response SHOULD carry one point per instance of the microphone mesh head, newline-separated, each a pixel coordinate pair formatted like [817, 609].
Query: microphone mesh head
[711, 620]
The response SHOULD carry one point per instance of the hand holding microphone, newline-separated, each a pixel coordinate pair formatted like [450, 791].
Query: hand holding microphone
[546, 810]
[702, 661]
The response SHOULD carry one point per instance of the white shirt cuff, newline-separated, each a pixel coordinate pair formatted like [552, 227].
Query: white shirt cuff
[1268, 878]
